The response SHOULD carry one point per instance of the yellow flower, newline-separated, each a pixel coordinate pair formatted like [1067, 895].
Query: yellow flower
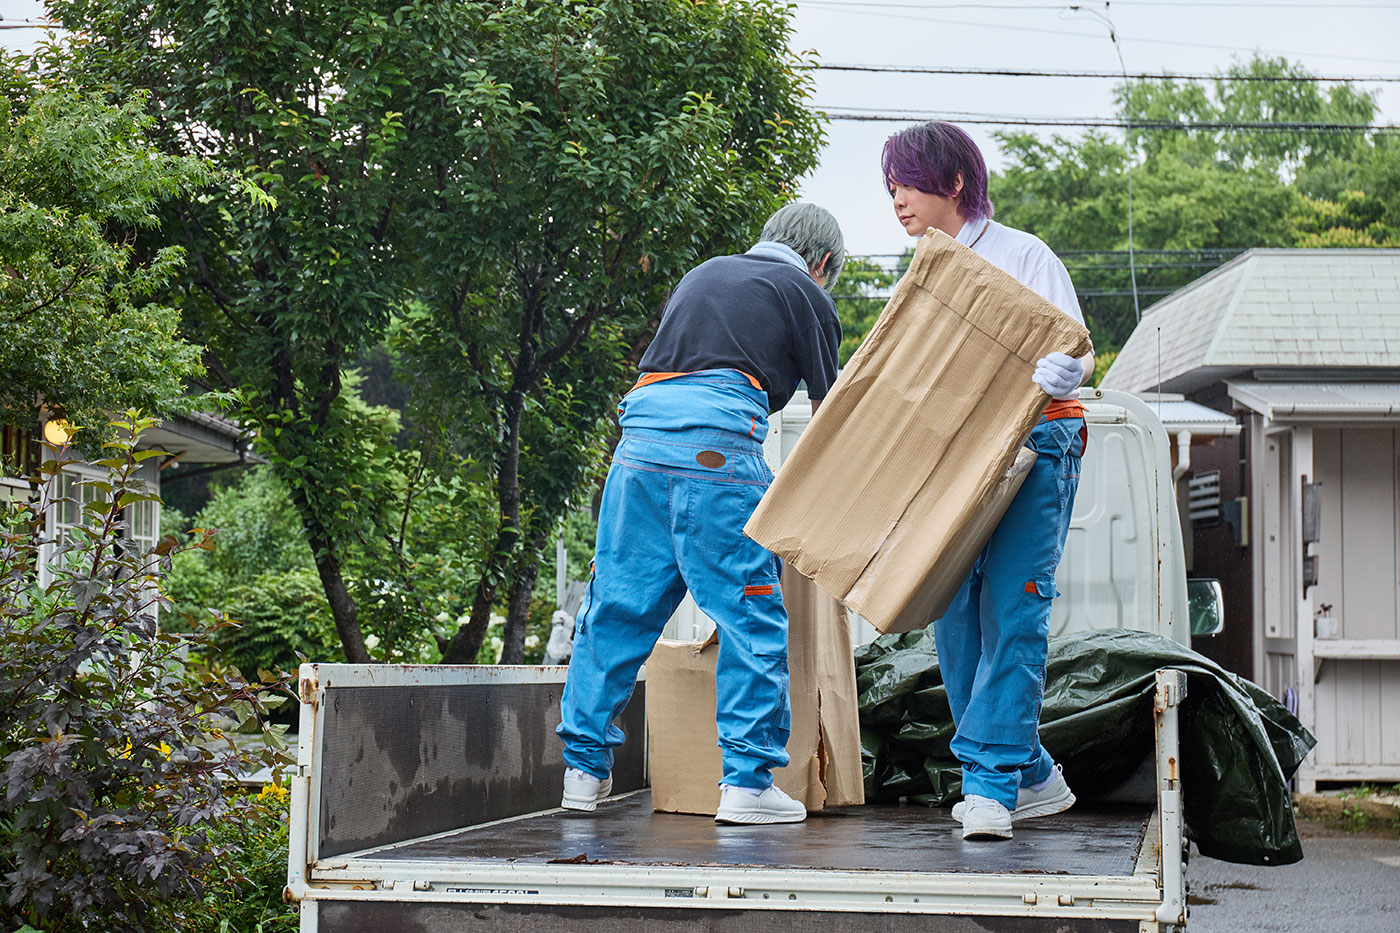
[272, 790]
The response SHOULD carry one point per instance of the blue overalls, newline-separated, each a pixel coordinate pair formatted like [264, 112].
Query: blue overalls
[993, 640]
[687, 474]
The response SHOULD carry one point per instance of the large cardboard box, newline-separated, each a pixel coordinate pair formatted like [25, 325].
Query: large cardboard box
[910, 461]
[824, 747]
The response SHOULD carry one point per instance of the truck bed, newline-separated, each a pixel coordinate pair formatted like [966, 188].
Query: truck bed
[1090, 839]
[424, 801]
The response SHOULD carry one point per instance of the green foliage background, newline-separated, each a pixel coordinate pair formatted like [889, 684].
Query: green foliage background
[84, 330]
[1201, 196]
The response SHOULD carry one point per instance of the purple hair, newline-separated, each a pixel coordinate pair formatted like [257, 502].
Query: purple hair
[929, 157]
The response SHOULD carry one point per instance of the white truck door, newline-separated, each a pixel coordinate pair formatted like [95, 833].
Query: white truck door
[1123, 565]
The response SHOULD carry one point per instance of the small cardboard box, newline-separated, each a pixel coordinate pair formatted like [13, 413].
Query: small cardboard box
[824, 746]
[909, 463]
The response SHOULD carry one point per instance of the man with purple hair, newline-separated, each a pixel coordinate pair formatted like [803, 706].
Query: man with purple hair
[992, 641]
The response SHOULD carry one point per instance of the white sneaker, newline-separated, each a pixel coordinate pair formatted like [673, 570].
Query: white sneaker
[1053, 797]
[771, 806]
[582, 791]
[985, 818]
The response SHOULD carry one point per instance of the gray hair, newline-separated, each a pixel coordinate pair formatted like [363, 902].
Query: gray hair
[812, 232]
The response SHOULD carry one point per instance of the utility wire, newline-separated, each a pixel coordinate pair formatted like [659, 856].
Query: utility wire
[1203, 250]
[836, 6]
[1128, 139]
[1054, 6]
[859, 114]
[1140, 76]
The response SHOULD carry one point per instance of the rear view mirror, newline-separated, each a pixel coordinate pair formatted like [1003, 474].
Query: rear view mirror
[1207, 606]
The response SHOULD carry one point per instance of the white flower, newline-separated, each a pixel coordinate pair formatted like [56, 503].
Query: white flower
[532, 641]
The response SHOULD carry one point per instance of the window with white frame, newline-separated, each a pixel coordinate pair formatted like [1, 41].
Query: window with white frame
[72, 494]
[143, 525]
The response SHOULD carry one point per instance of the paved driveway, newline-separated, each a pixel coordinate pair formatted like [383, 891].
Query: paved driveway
[1344, 884]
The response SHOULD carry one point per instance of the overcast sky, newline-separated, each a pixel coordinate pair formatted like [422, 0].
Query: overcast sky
[1181, 36]
[1328, 38]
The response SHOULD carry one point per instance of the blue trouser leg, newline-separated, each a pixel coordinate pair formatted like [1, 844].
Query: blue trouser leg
[669, 519]
[635, 587]
[992, 641]
[735, 581]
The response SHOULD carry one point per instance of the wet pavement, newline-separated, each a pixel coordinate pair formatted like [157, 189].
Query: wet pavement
[1346, 883]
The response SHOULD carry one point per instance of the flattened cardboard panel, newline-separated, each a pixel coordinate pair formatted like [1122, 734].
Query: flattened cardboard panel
[940, 583]
[824, 745]
[878, 495]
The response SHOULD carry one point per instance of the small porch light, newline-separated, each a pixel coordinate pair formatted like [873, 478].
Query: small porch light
[58, 432]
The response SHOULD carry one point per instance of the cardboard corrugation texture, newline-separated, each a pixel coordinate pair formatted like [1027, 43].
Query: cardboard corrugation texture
[880, 498]
[824, 745]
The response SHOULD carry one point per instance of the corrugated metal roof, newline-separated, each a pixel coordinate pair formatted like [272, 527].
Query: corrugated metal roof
[1302, 401]
[1269, 308]
[1179, 415]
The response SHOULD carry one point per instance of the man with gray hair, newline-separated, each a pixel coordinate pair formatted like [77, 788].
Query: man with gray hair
[738, 335]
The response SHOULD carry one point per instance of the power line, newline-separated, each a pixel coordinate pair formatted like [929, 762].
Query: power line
[1094, 293]
[837, 6]
[1199, 251]
[1142, 76]
[1055, 6]
[911, 116]
[1103, 17]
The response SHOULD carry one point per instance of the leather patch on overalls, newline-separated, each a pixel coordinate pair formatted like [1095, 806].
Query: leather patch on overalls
[710, 458]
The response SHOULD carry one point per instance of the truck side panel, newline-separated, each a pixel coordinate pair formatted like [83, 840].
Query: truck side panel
[402, 762]
[513, 918]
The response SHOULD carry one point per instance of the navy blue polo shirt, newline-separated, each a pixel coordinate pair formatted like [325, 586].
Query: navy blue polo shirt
[758, 314]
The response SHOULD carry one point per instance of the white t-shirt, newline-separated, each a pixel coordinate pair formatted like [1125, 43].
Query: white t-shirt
[1026, 258]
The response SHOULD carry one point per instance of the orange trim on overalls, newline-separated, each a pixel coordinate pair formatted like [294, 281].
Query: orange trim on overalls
[1064, 408]
[1068, 408]
[648, 378]
[759, 590]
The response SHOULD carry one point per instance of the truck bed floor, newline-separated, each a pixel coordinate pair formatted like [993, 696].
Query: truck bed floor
[1090, 839]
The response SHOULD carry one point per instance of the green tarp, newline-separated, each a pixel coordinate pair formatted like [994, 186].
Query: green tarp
[1239, 746]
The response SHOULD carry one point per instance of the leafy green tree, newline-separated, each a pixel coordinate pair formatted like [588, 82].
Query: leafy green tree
[1354, 202]
[1199, 196]
[320, 103]
[533, 176]
[83, 335]
[1280, 93]
[593, 153]
[256, 575]
[861, 296]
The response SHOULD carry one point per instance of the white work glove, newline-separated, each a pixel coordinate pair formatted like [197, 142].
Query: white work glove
[1059, 374]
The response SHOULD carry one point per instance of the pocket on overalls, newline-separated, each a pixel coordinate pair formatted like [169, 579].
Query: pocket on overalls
[721, 503]
[765, 633]
[1029, 641]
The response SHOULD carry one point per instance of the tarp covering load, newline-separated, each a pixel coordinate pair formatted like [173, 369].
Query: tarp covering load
[1239, 746]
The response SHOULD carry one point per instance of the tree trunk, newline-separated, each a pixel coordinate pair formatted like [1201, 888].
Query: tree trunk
[462, 647]
[342, 604]
[465, 643]
[347, 623]
[518, 612]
